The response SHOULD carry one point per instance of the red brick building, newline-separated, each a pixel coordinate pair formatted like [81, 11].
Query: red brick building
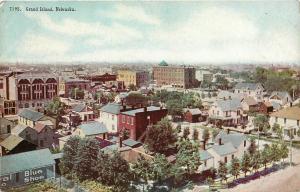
[136, 121]
[101, 78]
[195, 115]
[76, 83]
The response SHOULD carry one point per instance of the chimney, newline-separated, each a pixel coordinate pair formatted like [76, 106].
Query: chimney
[145, 109]
[228, 131]
[2, 114]
[124, 107]
[120, 141]
[220, 141]
[291, 104]
[224, 98]
[229, 96]
[204, 145]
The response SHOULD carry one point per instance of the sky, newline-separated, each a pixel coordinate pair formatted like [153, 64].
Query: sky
[210, 32]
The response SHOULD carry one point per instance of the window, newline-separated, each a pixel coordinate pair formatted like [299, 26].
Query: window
[225, 159]
[131, 120]
[284, 120]
[205, 163]
[128, 120]
[232, 156]
[113, 127]
[297, 122]
[113, 117]
[245, 143]
[123, 118]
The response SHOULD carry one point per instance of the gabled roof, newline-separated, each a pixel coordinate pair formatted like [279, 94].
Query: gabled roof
[280, 94]
[289, 113]
[79, 107]
[223, 150]
[228, 94]
[11, 142]
[235, 138]
[195, 111]
[229, 105]
[113, 108]
[39, 127]
[25, 161]
[248, 86]
[93, 128]
[18, 129]
[133, 112]
[163, 63]
[250, 101]
[205, 155]
[31, 114]
[131, 143]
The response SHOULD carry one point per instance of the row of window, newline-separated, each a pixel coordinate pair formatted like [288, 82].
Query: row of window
[284, 120]
[129, 119]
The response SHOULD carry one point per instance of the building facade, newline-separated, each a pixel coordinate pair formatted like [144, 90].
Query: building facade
[136, 78]
[177, 76]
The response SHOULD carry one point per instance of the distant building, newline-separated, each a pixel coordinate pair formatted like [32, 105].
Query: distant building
[195, 115]
[281, 97]
[70, 84]
[177, 76]
[132, 77]
[91, 129]
[204, 76]
[136, 121]
[255, 90]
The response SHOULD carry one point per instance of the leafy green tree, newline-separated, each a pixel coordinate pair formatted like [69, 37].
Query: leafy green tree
[278, 130]
[222, 82]
[266, 155]
[69, 154]
[255, 161]
[284, 151]
[261, 122]
[223, 171]
[161, 167]
[175, 108]
[56, 108]
[246, 163]
[235, 167]
[86, 159]
[178, 128]
[253, 147]
[160, 137]
[205, 134]
[186, 132]
[275, 151]
[142, 170]
[195, 135]
[188, 156]
[136, 99]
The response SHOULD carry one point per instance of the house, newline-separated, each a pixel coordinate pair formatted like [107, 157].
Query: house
[195, 115]
[255, 90]
[288, 118]
[85, 112]
[29, 117]
[207, 161]
[222, 152]
[250, 104]
[26, 168]
[91, 129]
[109, 116]
[281, 97]
[5, 126]
[224, 95]
[227, 113]
[14, 144]
[136, 121]
[265, 107]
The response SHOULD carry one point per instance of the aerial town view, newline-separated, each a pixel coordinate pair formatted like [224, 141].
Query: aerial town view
[150, 96]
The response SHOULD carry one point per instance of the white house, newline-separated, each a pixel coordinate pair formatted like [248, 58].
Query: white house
[255, 90]
[281, 97]
[227, 112]
[109, 116]
[288, 118]
[91, 129]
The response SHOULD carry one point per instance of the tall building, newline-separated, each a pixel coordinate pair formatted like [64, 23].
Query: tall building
[137, 78]
[27, 90]
[177, 76]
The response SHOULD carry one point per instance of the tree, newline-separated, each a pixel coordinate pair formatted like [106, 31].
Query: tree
[255, 161]
[223, 171]
[142, 170]
[278, 130]
[56, 108]
[160, 167]
[69, 154]
[160, 137]
[266, 155]
[246, 163]
[284, 151]
[235, 167]
[86, 159]
[205, 135]
[253, 147]
[136, 99]
[178, 128]
[276, 156]
[188, 156]
[261, 122]
[222, 82]
[195, 135]
[175, 107]
[186, 132]
[132, 87]
[298, 133]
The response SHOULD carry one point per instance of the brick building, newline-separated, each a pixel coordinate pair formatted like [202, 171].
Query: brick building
[27, 90]
[136, 121]
[137, 78]
[70, 84]
[177, 76]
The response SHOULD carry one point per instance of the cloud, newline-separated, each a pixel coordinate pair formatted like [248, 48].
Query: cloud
[98, 33]
[38, 46]
[132, 13]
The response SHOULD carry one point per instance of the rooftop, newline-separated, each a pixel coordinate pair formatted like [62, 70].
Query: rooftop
[31, 114]
[140, 110]
[248, 86]
[289, 113]
[113, 108]
[224, 149]
[229, 105]
[93, 128]
[11, 142]
[25, 161]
